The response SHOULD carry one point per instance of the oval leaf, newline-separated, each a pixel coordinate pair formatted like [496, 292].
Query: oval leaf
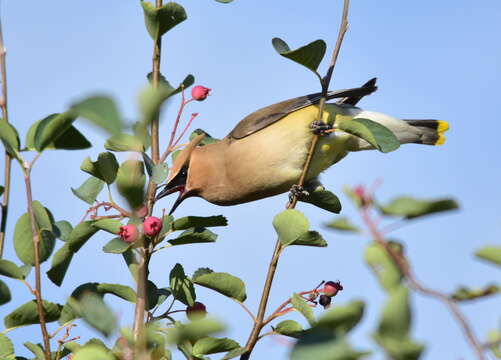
[341, 319]
[199, 221]
[5, 295]
[110, 225]
[60, 264]
[310, 238]
[209, 345]
[374, 133]
[9, 269]
[159, 173]
[124, 142]
[104, 168]
[10, 138]
[160, 20]
[51, 128]
[194, 236]
[410, 208]
[27, 314]
[80, 235]
[309, 55]
[490, 253]
[89, 190]
[131, 181]
[383, 266]
[223, 283]
[324, 199]
[6, 348]
[289, 328]
[342, 224]
[302, 307]
[116, 246]
[101, 111]
[181, 286]
[23, 242]
[290, 225]
[95, 352]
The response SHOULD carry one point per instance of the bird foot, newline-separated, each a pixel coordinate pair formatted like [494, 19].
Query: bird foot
[321, 128]
[297, 192]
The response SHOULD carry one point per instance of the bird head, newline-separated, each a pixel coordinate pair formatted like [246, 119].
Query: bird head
[178, 177]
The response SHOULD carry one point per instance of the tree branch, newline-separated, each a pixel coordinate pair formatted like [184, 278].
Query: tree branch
[260, 323]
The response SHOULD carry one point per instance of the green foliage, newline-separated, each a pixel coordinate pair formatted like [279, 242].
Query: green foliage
[374, 133]
[310, 238]
[80, 235]
[194, 236]
[181, 286]
[10, 138]
[290, 224]
[64, 228]
[23, 241]
[6, 348]
[89, 190]
[206, 140]
[124, 142]
[464, 293]
[71, 139]
[323, 345]
[198, 222]
[93, 352]
[342, 319]
[309, 55]
[302, 307]
[160, 20]
[289, 328]
[9, 269]
[491, 254]
[5, 295]
[51, 128]
[116, 246]
[36, 349]
[323, 199]
[104, 168]
[342, 224]
[223, 283]
[159, 173]
[101, 111]
[110, 225]
[60, 264]
[193, 331]
[383, 266]
[27, 314]
[131, 181]
[95, 313]
[210, 345]
[410, 208]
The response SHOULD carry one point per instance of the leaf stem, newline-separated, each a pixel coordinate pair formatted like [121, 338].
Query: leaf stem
[8, 159]
[414, 283]
[258, 326]
[36, 249]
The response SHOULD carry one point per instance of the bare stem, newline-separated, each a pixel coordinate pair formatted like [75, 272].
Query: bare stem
[36, 250]
[8, 159]
[414, 283]
[258, 326]
[143, 272]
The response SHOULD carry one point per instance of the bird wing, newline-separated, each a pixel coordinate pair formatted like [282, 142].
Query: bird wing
[266, 116]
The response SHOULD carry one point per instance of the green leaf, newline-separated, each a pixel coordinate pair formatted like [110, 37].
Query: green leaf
[324, 199]
[93, 352]
[27, 314]
[206, 140]
[10, 138]
[235, 352]
[23, 241]
[60, 264]
[64, 228]
[193, 330]
[89, 190]
[490, 253]
[310, 238]
[341, 319]
[309, 55]
[374, 133]
[36, 349]
[9, 269]
[110, 225]
[124, 142]
[198, 222]
[128, 257]
[116, 246]
[101, 111]
[2, 189]
[302, 307]
[160, 20]
[464, 293]
[411, 208]
[194, 236]
[121, 291]
[51, 128]
[162, 295]
[159, 173]
[210, 345]
[140, 130]
[322, 345]
[395, 320]
[80, 235]
[224, 1]
[131, 181]
[6, 348]
[223, 283]
[166, 224]
[5, 295]
[43, 219]
[289, 328]
[151, 98]
[399, 349]
[104, 168]
[290, 224]
[342, 224]
[97, 314]
[383, 266]
[181, 286]
[71, 139]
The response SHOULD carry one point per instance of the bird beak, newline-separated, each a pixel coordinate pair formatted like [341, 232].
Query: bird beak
[170, 189]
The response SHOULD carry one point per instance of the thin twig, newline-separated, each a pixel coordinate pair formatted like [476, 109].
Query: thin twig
[247, 310]
[36, 251]
[413, 282]
[258, 326]
[8, 159]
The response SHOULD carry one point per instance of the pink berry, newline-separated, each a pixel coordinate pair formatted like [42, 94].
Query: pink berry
[359, 191]
[199, 92]
[128, 233]
[152, 226]
[331, 288]
[196, 312]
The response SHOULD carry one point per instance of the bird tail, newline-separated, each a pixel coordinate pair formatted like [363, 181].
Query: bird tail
[430, 132]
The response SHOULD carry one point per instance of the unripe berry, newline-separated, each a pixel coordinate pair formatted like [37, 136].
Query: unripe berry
[196, 312]
[129, 233]
[199, 92]
[152, 226]
[325, 301]
[331, 288]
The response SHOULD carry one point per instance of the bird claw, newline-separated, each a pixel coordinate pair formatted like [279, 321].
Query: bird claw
[320, 128]
[297, 192]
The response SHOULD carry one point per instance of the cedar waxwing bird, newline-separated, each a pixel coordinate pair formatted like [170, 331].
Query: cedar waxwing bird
[265, 153]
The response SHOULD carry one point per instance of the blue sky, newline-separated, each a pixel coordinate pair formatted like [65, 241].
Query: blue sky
[433, 60]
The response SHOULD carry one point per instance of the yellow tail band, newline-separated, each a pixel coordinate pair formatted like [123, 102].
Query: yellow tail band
[443, 126]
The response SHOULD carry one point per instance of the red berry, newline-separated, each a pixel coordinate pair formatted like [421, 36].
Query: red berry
[196, 312]
[325, 301]
[331, 288]
[129, 233]
[152, 226]
[199, 92]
